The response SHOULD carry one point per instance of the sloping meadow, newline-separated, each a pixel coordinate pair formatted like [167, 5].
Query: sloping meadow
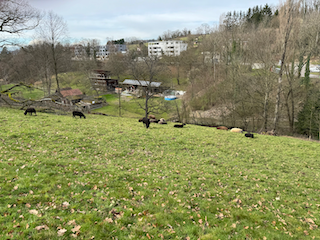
[111, 178]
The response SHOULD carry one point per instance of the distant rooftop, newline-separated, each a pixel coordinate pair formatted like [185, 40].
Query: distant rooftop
[70, 92]
[141, 83]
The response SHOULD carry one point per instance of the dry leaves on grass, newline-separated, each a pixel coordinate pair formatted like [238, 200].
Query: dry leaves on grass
[61, 231]
[76, 228]
[108, 220]
[33, 211]
[65, 204]
[72, 222]
[42, 227]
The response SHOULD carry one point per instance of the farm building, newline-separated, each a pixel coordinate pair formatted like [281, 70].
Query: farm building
[140, 84]
[102, 81]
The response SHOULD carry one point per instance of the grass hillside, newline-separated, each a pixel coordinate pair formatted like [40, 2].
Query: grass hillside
[130, 106]
[23, 92]
[111, 178]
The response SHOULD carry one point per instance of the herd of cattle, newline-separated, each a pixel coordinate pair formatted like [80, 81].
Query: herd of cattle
[74, 113]
[150, 119]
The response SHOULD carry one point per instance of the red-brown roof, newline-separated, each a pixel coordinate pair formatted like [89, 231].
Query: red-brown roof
[71, 92]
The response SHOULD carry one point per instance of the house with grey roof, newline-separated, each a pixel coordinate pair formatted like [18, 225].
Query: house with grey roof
[154, 87]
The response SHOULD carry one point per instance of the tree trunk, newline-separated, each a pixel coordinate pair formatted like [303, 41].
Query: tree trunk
[146, 103]
[278, 98]
[55, 66]
[265, 111]
[178, 76]
[119, 95]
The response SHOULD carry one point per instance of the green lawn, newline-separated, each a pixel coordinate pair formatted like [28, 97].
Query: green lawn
[130, 107]
[24, 92]
[110, 178]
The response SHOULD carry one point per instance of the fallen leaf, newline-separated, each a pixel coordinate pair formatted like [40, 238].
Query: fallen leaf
[42, 227]
[73, 222]
[234, 225]
[309, 220]
[33, 211]
[108, 220]
[76, 228]
[28, 205]
[61, 232]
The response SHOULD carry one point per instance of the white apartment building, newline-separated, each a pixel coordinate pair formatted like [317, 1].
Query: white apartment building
[169, 48]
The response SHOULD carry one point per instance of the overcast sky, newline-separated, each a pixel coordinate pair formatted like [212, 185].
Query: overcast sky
[116, 19]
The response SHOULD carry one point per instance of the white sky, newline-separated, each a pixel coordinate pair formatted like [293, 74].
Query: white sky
[116, 19]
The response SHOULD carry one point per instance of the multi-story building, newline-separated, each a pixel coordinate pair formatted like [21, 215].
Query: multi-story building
[103, 52]
[78, 51]
[169, 48]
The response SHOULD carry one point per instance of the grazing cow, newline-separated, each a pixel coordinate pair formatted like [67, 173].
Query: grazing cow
[153, 120]
[30, 110]
[236, 130]
[249, 135]
[222, 128]
[179, 125]
[162, 121]
[272, 133]
[77, 113]
[146, 121]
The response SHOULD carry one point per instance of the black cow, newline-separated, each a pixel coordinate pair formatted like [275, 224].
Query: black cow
[249, 135]
[179, 125]
[77, 113]
[146, 121]
[30, 110]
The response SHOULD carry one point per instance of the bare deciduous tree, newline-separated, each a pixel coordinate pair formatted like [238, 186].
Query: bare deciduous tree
[16, 16]
[53, 31]
[116, 64]
[286, 17]
[145, 70]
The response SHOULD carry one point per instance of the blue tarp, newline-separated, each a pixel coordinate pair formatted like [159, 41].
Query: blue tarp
[170, 98]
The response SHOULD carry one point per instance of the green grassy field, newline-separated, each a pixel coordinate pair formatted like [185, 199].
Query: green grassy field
[111, 178]
[24, 92]
[130, 107]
